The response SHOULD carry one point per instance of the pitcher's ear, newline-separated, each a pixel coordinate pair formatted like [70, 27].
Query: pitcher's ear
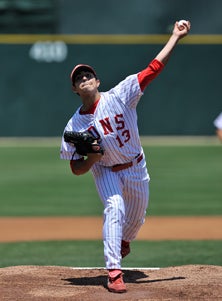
[74, 90]
[98, 83]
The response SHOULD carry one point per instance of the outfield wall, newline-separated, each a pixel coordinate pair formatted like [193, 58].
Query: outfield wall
[36, 97]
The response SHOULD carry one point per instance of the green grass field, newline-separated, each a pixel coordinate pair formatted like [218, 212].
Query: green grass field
[185, 181]
[90, 253]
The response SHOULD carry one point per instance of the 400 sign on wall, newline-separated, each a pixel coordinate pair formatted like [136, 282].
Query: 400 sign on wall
[49, 51]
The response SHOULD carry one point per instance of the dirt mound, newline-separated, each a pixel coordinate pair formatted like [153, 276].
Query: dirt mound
[41, 283]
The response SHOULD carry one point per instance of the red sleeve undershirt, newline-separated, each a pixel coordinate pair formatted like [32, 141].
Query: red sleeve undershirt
[148, 74]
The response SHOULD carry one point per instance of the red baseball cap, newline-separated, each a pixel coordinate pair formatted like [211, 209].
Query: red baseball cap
[79, 68]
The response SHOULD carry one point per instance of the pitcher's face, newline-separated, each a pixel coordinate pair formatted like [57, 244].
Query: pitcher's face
[85, 82]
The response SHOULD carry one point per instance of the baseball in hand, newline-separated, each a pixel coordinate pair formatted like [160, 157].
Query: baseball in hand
[181, 24]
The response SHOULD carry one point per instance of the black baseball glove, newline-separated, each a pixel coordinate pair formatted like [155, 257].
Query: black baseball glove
[84, 142]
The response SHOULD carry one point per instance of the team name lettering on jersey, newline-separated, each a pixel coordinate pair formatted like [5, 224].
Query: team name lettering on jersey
[106, 125]
[123, 136]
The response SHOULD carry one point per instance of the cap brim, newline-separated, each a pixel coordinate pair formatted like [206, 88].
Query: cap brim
[79, 68]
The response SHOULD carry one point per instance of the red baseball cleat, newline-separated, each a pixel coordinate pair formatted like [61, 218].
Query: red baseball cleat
[125, 248]
[115, 282]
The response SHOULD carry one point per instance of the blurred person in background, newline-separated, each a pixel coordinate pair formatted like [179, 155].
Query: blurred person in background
[218, 125]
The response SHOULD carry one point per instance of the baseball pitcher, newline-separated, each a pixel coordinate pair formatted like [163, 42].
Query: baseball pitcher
[102, 137]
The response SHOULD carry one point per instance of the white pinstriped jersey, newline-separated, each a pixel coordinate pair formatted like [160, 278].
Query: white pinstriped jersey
[114, 121]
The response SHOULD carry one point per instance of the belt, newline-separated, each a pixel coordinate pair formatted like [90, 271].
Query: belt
[119, 167]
